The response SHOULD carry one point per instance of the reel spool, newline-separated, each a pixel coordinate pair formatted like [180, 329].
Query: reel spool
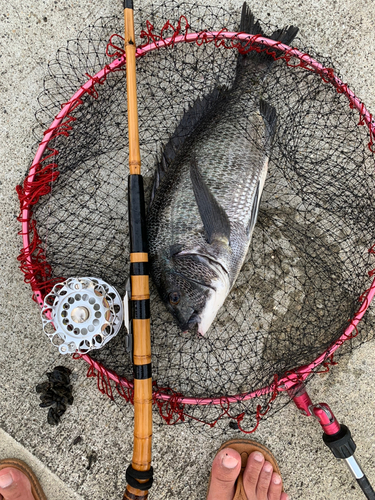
[82, 314]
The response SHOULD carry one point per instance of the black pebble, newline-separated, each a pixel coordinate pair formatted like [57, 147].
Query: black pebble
[60, 409]
[77, 440]
[46, 400]
[46, 404]
[43, 387]
[62, 390]
[56, 393]
[52, 417]
[58, 377]
[63, 369]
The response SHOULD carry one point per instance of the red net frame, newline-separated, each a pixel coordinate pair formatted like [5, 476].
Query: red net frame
[44, 171]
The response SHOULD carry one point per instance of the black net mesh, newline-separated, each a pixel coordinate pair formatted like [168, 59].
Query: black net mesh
[309, 257]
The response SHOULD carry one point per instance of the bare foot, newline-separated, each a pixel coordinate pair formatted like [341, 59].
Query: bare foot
[260, 482]
[14, 485]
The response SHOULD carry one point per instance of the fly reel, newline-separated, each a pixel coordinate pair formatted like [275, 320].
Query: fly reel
[82, 314]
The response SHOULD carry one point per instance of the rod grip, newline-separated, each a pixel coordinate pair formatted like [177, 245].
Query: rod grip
[139, 474]
[343, 447]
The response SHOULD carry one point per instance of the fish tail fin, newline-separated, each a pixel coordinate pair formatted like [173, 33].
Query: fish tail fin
[248, 25]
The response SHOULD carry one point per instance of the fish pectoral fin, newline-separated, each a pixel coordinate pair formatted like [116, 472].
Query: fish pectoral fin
[214, 217]
[175, 249]
[269, 116]
[254, 209]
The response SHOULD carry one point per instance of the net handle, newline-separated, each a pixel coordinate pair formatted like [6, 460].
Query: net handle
[216, 37]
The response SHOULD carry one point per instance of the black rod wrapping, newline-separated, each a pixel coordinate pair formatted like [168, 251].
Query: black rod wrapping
[137, 214]
[140, 309]
[142, 372]
[128, 4]
[139, 269]
[133, 475]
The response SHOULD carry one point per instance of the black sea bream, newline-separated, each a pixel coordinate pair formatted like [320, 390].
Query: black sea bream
[207, 191]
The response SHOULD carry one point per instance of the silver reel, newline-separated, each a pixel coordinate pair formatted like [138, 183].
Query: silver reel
[82, 314]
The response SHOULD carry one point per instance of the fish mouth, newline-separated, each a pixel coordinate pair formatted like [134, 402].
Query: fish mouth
[191, 323]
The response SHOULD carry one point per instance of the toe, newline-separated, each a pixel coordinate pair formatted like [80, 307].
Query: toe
[225, 470]
[252, 472]
[275, 487]
[14, 485]
[264, 481]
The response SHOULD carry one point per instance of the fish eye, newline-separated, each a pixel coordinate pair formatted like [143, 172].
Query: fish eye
[174, 298]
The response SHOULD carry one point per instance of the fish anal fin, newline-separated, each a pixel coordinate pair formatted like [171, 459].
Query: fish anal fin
[214, 217]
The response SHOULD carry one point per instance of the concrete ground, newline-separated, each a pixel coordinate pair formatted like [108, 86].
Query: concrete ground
[31, 32]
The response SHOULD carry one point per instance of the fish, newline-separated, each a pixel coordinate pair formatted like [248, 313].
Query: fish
[207, 190]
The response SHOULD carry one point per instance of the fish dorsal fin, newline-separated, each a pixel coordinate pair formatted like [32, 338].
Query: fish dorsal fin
[189, 122]
[214, 217]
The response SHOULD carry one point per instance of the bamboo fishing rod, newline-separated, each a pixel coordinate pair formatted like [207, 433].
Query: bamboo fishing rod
[139, 473]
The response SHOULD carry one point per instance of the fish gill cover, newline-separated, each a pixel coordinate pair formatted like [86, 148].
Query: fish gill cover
[308, 263]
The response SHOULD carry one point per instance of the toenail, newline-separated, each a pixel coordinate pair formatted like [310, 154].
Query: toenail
[258, 457]
[277, 479]
[268, 467]
[5, 480]
[229, 462]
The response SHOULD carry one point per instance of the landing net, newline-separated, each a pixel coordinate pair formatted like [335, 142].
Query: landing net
[307, 280]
